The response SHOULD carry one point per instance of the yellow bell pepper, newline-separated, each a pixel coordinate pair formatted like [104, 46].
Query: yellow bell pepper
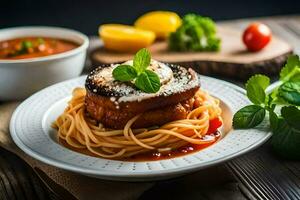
[160, 22]
[123, 38]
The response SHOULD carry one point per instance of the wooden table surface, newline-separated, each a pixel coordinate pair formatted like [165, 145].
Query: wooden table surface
[259, 174]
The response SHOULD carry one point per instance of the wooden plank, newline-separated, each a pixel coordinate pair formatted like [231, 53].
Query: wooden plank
[18, 180]
[232, 51]
[213, 183]
[265, 174]
[233, 61]
[277, 26]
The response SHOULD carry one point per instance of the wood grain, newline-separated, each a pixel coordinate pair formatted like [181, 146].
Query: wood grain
[17, 179]
[213, 183]
[266, 175]
[232, 61]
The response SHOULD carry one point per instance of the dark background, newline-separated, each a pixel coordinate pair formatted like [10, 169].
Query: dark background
[87, 15]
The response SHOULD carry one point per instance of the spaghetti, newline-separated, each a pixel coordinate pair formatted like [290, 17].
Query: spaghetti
[80, 131]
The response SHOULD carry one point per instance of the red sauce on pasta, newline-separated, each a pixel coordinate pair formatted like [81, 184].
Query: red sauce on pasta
[152, 156]
[32, 47]
[181, 151]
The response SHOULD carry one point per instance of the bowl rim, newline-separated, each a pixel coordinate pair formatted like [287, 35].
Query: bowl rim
[83, 46]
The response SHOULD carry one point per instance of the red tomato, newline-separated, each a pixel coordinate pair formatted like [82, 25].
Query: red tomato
[214, 124]
[256, 36]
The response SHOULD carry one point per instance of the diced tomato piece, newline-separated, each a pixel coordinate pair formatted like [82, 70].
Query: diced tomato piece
[214, 124]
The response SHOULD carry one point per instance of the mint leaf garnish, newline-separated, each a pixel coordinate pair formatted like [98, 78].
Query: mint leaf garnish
[291, 68]
[291, 114]
[286, 140]
[249, 116]
[273, 120]
[141, 60]
[124, 73]
[290, 92]
[285, 125]
[145, 80]
[148, 81]
[255, 87]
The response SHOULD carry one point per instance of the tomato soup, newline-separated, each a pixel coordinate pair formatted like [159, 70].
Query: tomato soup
[32, 47]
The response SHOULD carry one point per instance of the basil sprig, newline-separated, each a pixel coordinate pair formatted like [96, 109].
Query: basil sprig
[282, 106]
[144, 79]
[249, 116]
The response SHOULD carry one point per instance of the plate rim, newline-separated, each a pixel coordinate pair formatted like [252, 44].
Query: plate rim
[125, 174]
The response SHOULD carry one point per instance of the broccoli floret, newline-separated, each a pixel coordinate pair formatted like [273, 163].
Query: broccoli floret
[196, 33]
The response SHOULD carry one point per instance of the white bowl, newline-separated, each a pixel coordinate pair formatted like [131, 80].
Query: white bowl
[21, 78]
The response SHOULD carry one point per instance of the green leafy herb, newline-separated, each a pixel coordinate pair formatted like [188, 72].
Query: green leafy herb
[196, 33]
[124, 73]
[141, 60]
[286, 97]
[146, 80]
[290, 92]
[291, 69]
[25, 46]
[273, 120]
[255, 87]
[249, 116]
[292, 116]
[286, 140]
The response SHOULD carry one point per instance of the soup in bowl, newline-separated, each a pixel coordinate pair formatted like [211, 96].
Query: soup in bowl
[33, 47]
[32, 58]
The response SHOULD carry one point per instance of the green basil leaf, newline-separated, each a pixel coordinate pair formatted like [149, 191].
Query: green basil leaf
[290, 92]
[141, 60]
[286, 140]
[273, 120]
[291, 114]
[276, 99]
[255, 87]
[124, 73]
[295, 75]
[148, 81]
[249, 117]
[291, 69]
[270, 101]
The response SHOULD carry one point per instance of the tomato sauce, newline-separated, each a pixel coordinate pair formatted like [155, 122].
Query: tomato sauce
[212, 136]
[181, 151]
[32, 47]
[155, 155]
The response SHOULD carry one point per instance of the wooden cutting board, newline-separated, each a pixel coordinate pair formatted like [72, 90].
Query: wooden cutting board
[233, 61]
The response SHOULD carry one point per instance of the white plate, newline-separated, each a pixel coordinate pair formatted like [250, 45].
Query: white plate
[31, 131]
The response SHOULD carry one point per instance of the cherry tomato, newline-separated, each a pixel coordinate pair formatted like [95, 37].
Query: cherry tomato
[214, 124]
[257, 36]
